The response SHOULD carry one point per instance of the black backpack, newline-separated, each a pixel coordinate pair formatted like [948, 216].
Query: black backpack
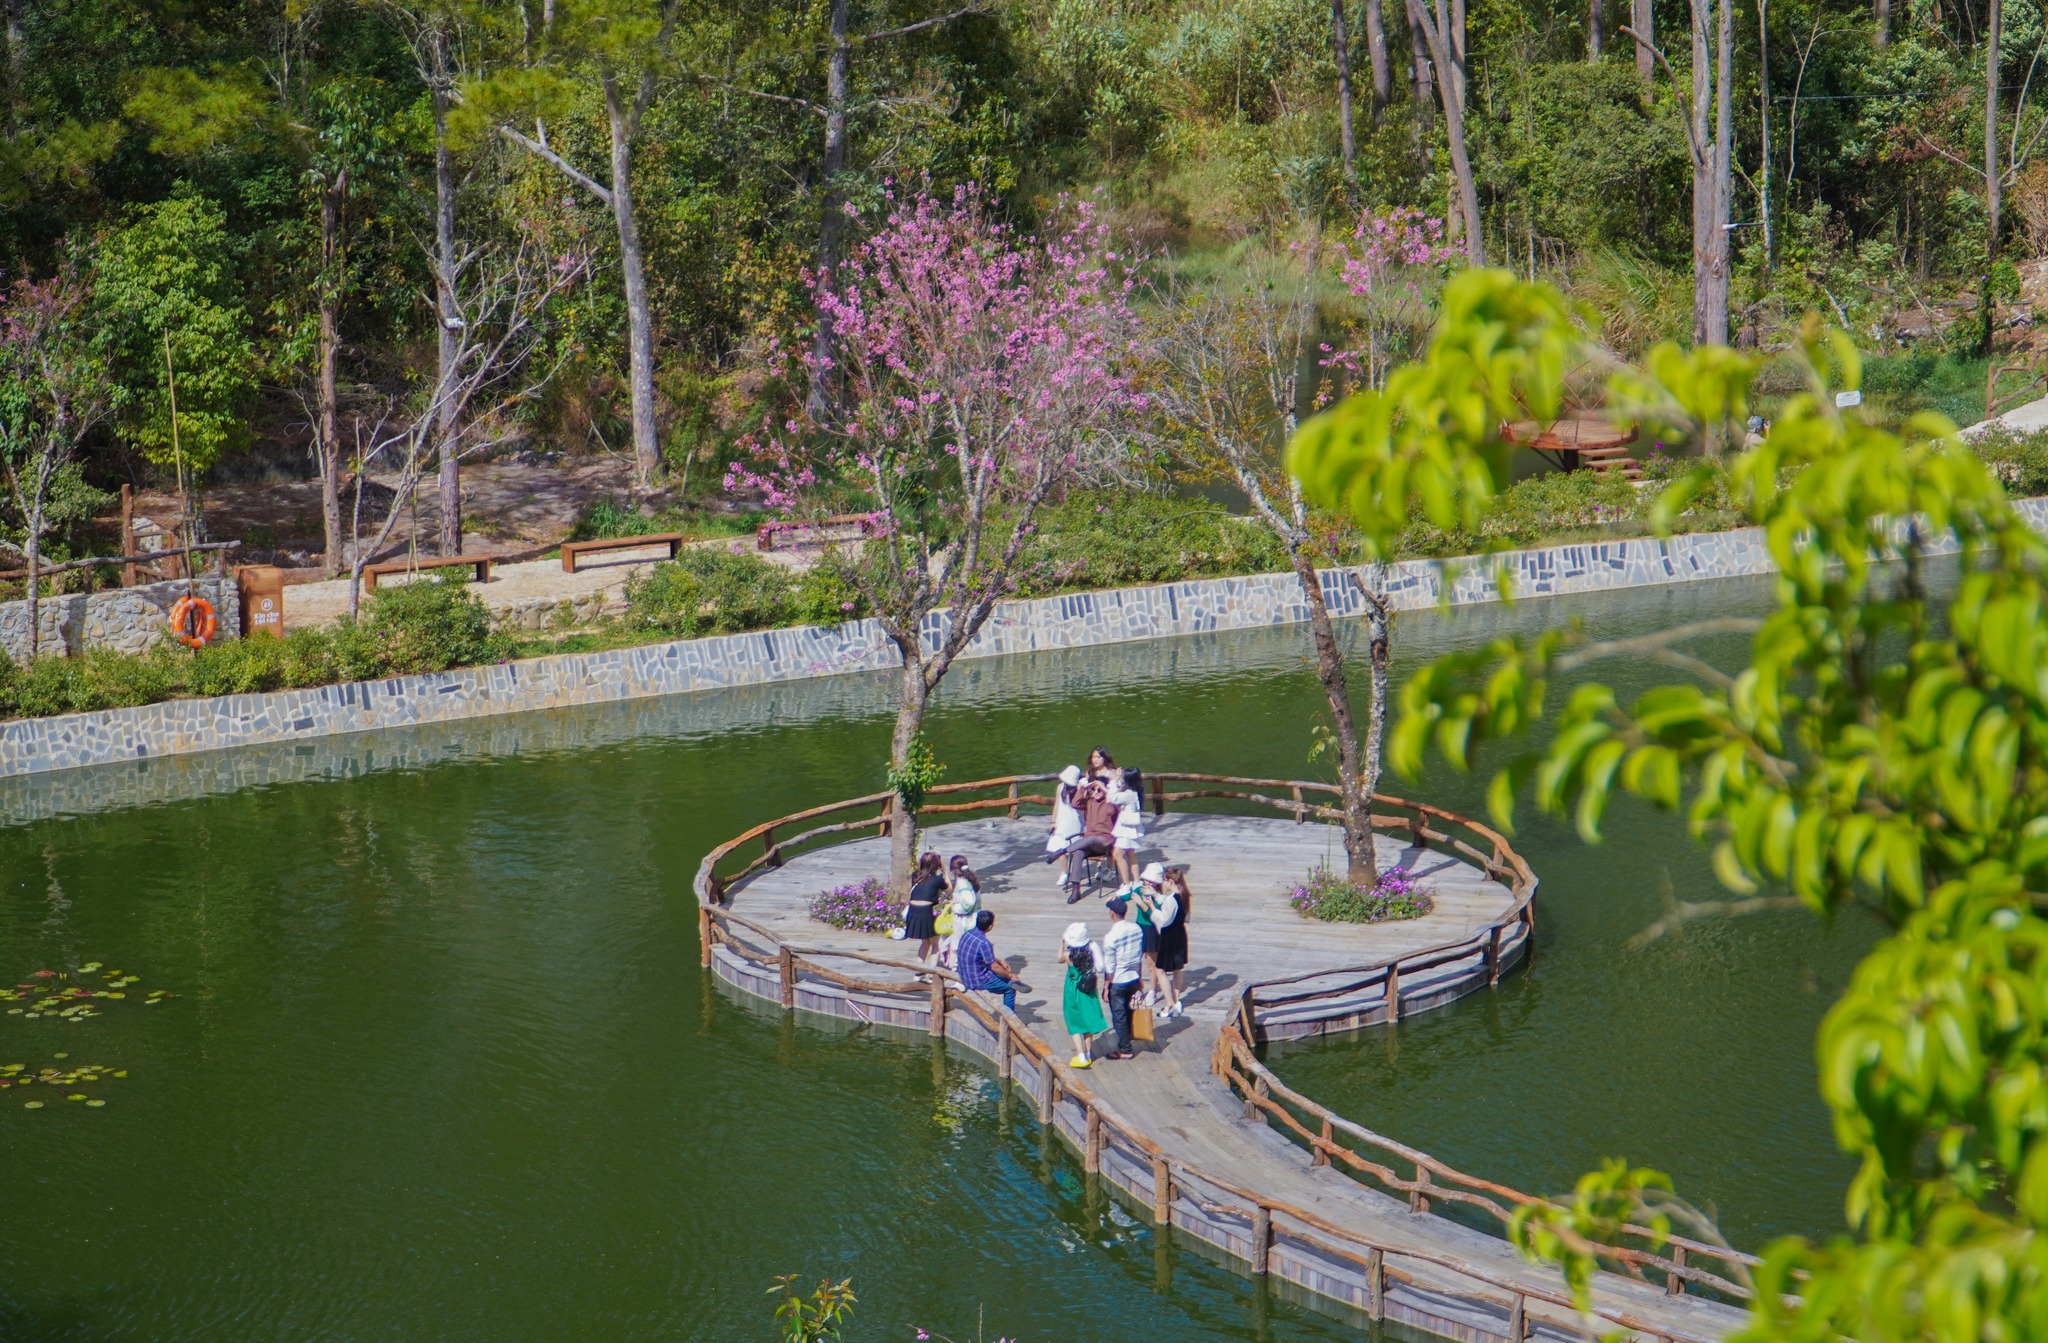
[1083, 960]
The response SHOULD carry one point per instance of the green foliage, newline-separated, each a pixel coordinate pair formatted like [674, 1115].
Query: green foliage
[429, 624]
[1101, 539]
[1330, 898]
[916, 774]
[816, 1318]
[1554, 506]
[710, 590]
[2020, 461]
[823, 595]
[1882, 745]
[167, 275]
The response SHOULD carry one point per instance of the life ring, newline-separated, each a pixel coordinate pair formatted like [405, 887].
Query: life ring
[192, 621]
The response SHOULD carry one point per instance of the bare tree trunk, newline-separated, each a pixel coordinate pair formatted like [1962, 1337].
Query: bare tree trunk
[328, 391]
[1643, 20]
[625, 126]
[1596, 29]
[1376, 54]
[448, 312]
[1340, 51]
[1993, 187]
[1379, 636]
[1362, 865]
[34, 550]
[1450, 83]
[1724, 169]
[909, 722]
[1702, 176]
[1763, 80]
[838, 66]
[1425, 81]
[1882, 36]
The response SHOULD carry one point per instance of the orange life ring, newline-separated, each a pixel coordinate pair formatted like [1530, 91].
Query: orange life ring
[192, 621]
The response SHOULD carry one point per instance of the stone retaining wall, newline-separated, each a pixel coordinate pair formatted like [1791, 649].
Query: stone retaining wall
[30, 746]
[129, 620]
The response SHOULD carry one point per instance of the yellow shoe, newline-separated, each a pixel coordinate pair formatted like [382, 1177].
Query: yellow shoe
[1078, 1062]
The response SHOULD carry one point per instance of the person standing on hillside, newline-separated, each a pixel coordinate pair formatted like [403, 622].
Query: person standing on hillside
[1123, 953]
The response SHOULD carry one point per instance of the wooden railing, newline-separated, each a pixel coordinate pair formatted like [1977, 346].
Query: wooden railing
[1369, 1156]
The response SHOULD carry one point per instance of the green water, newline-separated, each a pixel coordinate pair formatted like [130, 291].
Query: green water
[442, 1064]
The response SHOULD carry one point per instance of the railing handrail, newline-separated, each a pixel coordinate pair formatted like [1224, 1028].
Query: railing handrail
[1235, 1060]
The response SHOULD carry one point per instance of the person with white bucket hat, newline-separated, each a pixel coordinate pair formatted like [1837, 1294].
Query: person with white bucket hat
[1086, 988]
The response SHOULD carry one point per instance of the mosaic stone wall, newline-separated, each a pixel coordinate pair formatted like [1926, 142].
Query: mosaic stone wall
[34, 746]
[130, 620]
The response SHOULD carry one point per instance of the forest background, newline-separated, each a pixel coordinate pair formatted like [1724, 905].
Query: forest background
[297, 203]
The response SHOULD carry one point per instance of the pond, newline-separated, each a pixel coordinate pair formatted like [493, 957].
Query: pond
[440, 1063]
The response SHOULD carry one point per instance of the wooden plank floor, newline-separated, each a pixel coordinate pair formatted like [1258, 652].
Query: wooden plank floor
[1242, 930]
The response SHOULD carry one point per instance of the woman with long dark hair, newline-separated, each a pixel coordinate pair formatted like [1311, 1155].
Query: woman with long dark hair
[1082, 997]
[920, 916]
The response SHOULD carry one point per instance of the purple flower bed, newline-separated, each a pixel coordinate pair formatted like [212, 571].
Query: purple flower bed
[1333, 899]
[866, 907]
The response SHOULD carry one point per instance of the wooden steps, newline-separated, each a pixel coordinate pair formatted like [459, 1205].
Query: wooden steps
[1614, 459]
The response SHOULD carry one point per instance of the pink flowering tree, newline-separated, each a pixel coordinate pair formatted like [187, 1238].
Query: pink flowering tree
[54, 389]
[1233, 367]
[982, 371]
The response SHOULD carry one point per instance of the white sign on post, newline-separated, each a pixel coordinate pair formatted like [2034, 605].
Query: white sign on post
[1844, 400]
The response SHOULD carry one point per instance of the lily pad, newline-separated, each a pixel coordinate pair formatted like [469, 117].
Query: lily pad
[31, 1105]
[95, 1104]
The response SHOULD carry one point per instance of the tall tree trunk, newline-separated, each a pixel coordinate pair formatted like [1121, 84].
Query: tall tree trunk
[1425, 84]
[1376, 54]
[1362, 864]
[1724, 170]
[327, 393]
[1763, 81]
[34, 551]
[1596, 29]
[1450, 84]
[1379, 651]
[838, 66]
[448, 479]
[1340, 51]
[1643, 21]
[625, 126]
[1882, 33]
[909, 722]
[1702, 176]
[1993, 187]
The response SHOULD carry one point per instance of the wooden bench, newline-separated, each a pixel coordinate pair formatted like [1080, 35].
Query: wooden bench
[480, 563]
[571, 550]
[837, 529]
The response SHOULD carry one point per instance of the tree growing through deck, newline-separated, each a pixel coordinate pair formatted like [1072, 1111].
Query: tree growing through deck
[983, 372]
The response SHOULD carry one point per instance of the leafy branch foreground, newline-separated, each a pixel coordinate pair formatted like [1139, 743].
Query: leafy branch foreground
[1882, 747]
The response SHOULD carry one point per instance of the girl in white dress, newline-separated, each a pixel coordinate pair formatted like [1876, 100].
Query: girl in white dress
[1130, 823]
[1066, 819]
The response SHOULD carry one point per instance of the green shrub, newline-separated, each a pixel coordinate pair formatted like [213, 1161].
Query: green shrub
[710, 590]
[1103, 539]
[2020, 461]
[429, 624]
[824, 596]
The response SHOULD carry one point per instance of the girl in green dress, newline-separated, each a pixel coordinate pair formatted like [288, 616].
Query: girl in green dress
[1081, 1001]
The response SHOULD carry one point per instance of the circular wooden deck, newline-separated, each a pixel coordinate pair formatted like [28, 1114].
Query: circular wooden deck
[1195, 1129]
[1242, 930]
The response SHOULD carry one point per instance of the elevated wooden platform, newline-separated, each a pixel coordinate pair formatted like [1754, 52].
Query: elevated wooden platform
[1183, 1129]
[1584, 443]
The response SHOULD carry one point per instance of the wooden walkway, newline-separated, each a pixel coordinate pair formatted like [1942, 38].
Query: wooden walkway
[1164, 1127]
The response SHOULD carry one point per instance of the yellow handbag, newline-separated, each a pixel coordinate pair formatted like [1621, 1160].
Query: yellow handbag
[943, 924]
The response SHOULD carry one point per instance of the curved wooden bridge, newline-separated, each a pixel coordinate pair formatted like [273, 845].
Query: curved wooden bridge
[1197, 1130]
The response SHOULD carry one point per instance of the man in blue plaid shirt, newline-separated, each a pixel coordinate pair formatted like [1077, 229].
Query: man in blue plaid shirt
[979, 968]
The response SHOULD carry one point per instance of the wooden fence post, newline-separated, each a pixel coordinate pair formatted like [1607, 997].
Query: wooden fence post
[1162, 1192]
[938, 1012]
[1518, 1319]
[704, 936]
[768, 847]
[1300, 818]
[1003, 1046]
[128, 534]
[1158, 796]
[1048, 1090]
[787, 975]
[1417, 1200]
[1673, 1284]
[1013, 801]
[1251, 1104]
[1376, 1285]
[1393, 993]
[1322, 1151]
[1262, 1241]
[1493, 957]
[1091, 1152]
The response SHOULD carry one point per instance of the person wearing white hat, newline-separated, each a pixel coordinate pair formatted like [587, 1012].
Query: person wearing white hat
[1086, 988]
[1066, 819]
[1156, 910]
